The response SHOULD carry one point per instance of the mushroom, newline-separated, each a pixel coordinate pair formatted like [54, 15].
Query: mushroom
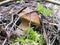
[25, 17]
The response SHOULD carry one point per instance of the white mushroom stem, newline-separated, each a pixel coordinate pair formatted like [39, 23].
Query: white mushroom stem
[24, 25]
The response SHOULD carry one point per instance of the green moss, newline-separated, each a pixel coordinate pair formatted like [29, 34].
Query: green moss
[33, 38]
[43, 10]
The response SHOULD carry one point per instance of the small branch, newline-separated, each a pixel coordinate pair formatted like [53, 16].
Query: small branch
[4, 41]
[54, 2]
[53, 40]
[44, 34]
[5, 2]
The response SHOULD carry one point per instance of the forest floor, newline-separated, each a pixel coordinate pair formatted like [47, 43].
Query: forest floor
[28, 22]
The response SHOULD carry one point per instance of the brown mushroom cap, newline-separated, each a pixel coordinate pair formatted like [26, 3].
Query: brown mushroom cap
[34, 16]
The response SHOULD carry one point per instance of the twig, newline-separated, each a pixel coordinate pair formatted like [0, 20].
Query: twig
[4, 41]
[53, 40]
[14, 24]
[5, 2]
[19, 28]
[54, 2]
[43, 27]
[45, 35]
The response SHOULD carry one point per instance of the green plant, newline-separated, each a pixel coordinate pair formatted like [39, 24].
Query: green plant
[12, 41]
[41, 41]
[33, 38]
[32, 35]
[31, 42]
[21, 41]
[43, 10]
